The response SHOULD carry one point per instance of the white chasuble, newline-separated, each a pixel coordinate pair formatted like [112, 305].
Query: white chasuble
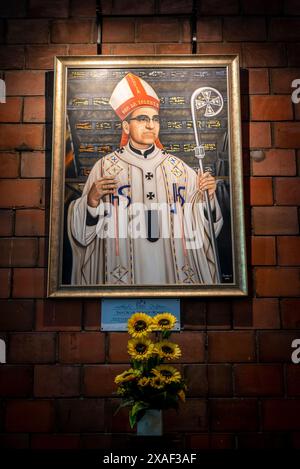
[154, 231]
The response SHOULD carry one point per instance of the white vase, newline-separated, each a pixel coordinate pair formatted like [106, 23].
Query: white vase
[150, 424]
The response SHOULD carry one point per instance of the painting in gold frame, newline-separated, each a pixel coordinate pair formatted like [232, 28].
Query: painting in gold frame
[147, 197]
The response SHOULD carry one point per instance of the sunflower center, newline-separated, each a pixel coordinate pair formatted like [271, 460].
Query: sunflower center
[141, 348]
[166, 373]
[166, 349]
[140, 325]
[164, 322]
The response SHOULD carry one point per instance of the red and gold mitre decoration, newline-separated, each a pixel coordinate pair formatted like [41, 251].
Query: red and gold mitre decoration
[129, 94]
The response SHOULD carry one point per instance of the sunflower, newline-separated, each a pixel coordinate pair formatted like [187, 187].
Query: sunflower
[163, 322]
[140, 349]
[128, 375]
[139, 325]
[167, 373]
[157, 382]
[167, 350]
[143, 381]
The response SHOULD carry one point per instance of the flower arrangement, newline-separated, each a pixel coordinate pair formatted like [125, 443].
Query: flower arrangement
[150, 383]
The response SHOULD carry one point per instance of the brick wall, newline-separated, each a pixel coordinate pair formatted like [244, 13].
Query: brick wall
[57, 386]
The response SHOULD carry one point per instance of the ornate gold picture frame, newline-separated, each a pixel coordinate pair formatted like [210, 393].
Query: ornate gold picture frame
[147, 192]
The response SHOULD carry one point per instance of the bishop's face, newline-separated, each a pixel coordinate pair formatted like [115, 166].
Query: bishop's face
[142, 126]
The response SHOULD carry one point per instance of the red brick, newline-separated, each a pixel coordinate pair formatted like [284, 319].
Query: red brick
[173, 49]
[5, 278]
[219, 48]
[14, 8]
[118, 347]
[43, 252]
[209, 29]
[265, 7]
[80, 415]
[287, 134]
[16, 315]
[244, 29]
[27, 31]
[258, 81]
[281, 79]
[20, 193]
[14, 441]
[29, 416]
[25, 83]
[32, 347]
[271, 108]
[116, 423]
[175, 6]
[55, 442]
[15, 381]
[257, 135]
[98, 381]
[231, 346]
[281, 414]
[284, 29]
[91, 315]
[9, 164]
[288, 250]
[56, 381]
[6, 222]
[158, 30]
[21, 136]
[209, 441]
[83, 49]
[275, 220]
[48, 8]
[191, 417]
[33, 164]
[193, 314]
[276, 346]
[277, 281]
[63, 31]
[276, 163]
[234, 415]
[118, 30]
[219, 380]
[293, 380]
[88, 9]
[196, 377]
[62, 315]
[290, 313]
[29, 283]
[11, 57]
[30, 223]
[287, 191]
[258, 380]
[263, 250]
[293, 55]
[263, 55]
[42, 57]
[84, 347]
[11, 110]
[121, 7]
[34, 109]
[131, 49]
[218, 315]
[262, 441]
[291, 7]
[266, 313]
[210, 7]
[20, 252]
[261, 191]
